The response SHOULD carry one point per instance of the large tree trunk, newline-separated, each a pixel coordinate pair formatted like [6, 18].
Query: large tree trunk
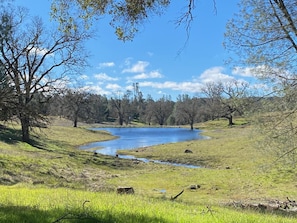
[120, 119]
[192, 125]
[25, 123]
[75, 122]
[75, 116]
[230, 119]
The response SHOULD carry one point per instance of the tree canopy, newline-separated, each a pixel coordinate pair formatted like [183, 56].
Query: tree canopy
[125, 15]
[263, 36]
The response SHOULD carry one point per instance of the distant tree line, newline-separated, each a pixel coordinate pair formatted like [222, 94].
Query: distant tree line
[78, 105]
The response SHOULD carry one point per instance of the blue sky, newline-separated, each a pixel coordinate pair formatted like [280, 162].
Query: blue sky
[152, 59]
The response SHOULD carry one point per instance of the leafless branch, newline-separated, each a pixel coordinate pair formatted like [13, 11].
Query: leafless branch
[176, 196]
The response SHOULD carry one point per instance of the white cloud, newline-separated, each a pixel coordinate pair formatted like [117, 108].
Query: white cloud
[84, 77]
[104, 77]
[152, 74]
[108, 85]
[88, 83]
[193, 87]
[113, 87]
[129, 88]
[244, 71]
[260, 71]
[139, 67]
[95, 90]
[57, 84]
[140, 76]
[106, 64]
[214, 74]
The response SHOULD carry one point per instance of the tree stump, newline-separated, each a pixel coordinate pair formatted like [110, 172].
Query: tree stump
[125, 190]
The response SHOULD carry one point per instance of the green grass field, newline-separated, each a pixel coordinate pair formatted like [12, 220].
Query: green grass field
[53, 181]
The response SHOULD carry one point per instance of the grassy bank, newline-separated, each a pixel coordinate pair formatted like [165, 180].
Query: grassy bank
[53, 181]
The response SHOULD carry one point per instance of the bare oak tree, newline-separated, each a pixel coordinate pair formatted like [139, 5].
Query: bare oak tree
[121, 105]
[74, 101]
[186, 110]
[226, 99]
[160, 110]
[36, 60]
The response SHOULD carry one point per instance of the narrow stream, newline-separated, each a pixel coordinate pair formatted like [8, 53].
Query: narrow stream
[132, 138]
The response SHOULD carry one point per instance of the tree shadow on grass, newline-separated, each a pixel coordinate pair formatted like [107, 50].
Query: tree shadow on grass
[13, 136]
[22, 214]
[38, 144]
[9, 135]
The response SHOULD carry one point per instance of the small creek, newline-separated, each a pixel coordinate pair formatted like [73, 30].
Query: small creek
[132, 138]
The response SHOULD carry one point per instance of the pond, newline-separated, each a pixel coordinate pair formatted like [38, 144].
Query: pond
[132, 138]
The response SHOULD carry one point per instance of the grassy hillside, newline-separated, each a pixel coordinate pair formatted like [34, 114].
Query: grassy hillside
[53, 181]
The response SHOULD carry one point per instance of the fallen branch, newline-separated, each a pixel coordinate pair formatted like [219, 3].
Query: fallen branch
[176, 196]
[71, 216]
[61, 218]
